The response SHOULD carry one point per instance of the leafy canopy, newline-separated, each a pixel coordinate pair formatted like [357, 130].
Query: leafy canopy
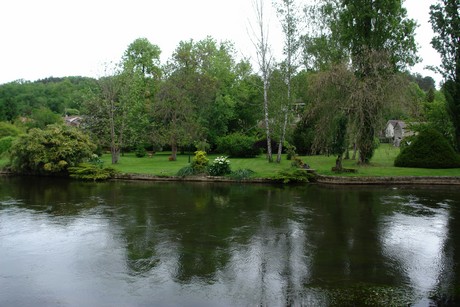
[51, 150]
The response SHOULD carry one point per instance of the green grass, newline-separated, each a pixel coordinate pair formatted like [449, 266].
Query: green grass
[381, 165]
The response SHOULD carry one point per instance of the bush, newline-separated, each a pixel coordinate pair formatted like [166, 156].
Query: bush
[430, 149]
[290, 151]
[294, 175]
[89, 171]
[52, 150]
[200, 162]
[186, 171]
[241, 174]
[140, 151]
[5, 144]
[219, 167]
[238, 145]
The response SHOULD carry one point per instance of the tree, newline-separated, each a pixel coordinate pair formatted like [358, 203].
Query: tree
[42, 117]
[176, 115]
[49, 151]
[321, 45]
[380, 39]
[286, 10]
[117, 110]
[265, 65]
[204, 75]
[143, 57]
[445, 21]
[140, 77]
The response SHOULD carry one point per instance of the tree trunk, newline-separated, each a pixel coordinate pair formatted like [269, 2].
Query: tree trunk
[283, 136]
[338, 163]
[355, 149]
[267, 122]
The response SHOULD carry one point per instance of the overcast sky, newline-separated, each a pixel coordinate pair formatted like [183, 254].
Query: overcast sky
[43, 38]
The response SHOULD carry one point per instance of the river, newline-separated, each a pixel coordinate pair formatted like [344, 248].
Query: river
[69, 243]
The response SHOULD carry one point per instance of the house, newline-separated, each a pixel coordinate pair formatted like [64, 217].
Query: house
[396, 130]
[74, 121]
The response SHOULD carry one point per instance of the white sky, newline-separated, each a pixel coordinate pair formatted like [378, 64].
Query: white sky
[43, 38]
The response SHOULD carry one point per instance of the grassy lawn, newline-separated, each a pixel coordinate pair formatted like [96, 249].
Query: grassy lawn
[381, 165]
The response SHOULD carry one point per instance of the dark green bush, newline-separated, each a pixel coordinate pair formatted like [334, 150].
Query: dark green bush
[238, 145]
[241, 174]
[186, 171]
[89, 171]
[430, 149]
[294, 175]
[140, 151]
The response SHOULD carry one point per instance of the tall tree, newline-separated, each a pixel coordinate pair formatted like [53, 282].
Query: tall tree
[445, 21]
[286, 10]
[321, 45]
[140, 77]
[264, 58]
[380, 38]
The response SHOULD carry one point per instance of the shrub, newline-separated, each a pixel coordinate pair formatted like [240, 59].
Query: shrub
[140, 151]
[238, 145]
[294, 175]
[430, 149]
[186, 171]
[219, 167]
[290, 151]
[52, 150]
[89, 171]
[242, 174]
[200, 162]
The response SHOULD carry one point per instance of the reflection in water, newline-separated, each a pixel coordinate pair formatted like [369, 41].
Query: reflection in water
[126, 243]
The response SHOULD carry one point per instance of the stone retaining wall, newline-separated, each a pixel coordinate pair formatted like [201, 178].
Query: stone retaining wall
[435, 180]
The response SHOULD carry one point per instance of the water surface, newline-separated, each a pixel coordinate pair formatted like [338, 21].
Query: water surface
[67, 243]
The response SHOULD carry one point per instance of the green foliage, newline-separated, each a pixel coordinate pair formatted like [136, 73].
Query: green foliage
[186, 171]
[428, 150]
[50, 151]
[5, 144]
[237, 145]
[303, 137]
[200, 162]
[7, 129]
[202, 145]
[219, 167]
[42, 117]
[445, 21]
[241, 174]
[293, 175]
[21, 97]
[140, 151]
[290, 151]
[91, 172]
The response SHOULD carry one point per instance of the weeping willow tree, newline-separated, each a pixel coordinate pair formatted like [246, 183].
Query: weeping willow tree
[378, 42]
[348, 107]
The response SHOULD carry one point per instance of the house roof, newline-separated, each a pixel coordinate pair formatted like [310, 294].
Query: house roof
[395, 122]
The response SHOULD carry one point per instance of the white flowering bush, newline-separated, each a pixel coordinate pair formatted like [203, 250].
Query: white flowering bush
[219, 167]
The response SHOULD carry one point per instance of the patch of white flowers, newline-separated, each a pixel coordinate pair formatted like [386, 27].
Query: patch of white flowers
[221, 160]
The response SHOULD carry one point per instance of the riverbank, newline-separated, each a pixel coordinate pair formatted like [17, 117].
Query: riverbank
[319, 179]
